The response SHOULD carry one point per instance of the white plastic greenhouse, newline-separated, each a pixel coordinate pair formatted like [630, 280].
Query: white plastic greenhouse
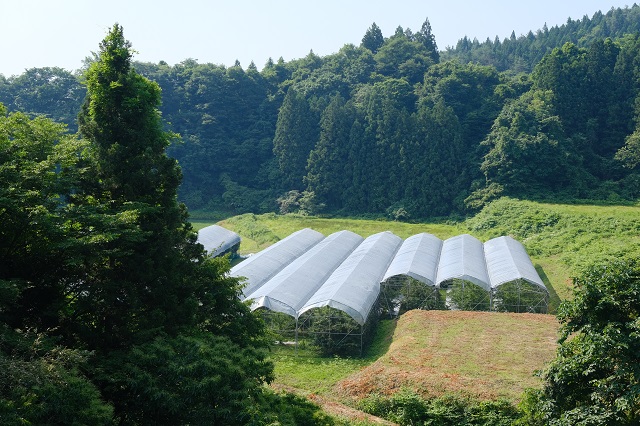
[515, 283]
[507, 260]
[218, 241]
[417, 258]
[260, 267]
[353, 277]
[355, 286]
[462, 258]
[292, 287]
[410, 280]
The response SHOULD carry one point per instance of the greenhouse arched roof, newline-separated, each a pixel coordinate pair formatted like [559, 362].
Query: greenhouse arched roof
[217, 240]
[260, 267]
[292, 287]
[462, 257]
[345, 271]
[355, 286]
[417, 258]
[507, 260]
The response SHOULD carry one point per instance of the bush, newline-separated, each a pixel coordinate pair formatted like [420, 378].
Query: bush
[409, 408]
[287, 409]
[42, 384]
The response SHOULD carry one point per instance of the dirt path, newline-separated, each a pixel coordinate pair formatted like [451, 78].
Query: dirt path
[335, 408]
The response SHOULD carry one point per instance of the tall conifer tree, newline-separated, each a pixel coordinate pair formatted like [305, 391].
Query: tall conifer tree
[173, 342]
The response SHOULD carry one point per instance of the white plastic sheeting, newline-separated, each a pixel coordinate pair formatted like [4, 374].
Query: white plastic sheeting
[343, 271]
[290, 289]
[217, 240]
[355, 286]
[507, 260]
[417, 258]
[462, 257]
[260, 267]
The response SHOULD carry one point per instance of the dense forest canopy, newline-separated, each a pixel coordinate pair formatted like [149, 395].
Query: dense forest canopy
[111, 313]
[395, 126]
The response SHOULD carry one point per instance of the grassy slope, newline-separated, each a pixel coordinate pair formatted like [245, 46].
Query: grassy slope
[561, 239]
[261, 231]
[485, 355]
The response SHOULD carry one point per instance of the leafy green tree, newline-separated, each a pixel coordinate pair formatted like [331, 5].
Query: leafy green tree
[435, 171]
[40, 381]
[32, 229]
[470, 90]
[50, 91]
[373, 39]
[528, 149]
[148, 288]
[629, 154]
[595, 376]
[401, 57]
[587, 101]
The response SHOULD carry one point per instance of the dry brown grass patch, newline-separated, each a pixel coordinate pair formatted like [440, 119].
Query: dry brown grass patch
[485, 355]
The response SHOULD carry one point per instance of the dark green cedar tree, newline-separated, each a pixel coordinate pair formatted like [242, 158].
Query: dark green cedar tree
[153, 307]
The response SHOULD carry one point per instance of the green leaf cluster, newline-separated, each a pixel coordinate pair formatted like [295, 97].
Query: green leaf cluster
[595, 376]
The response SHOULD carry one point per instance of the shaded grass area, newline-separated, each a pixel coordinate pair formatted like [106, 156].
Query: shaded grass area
[304, 369]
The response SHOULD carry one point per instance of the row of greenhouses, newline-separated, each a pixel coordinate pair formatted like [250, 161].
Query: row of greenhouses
[335, 287]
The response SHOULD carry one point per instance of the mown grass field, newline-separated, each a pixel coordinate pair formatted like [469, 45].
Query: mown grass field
[483, 355]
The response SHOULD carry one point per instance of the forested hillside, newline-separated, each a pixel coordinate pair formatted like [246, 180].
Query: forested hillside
[395, 126]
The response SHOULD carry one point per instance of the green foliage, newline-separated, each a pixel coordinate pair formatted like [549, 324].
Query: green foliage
[287, 409]
[520, 296]
[198, 379]
[409, 127]
[41, 383]
[98, 254]
[528, 150]
[524, 52]
[408, 408]
[629, 154]
[334, 332]
[51, 92]
[401, 57]
[594, 378]
[373, 39]
[327, 163]
[295, 135]
[243, 199]
[466, 296]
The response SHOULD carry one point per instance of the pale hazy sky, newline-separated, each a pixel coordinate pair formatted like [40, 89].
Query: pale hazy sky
[40, 33]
